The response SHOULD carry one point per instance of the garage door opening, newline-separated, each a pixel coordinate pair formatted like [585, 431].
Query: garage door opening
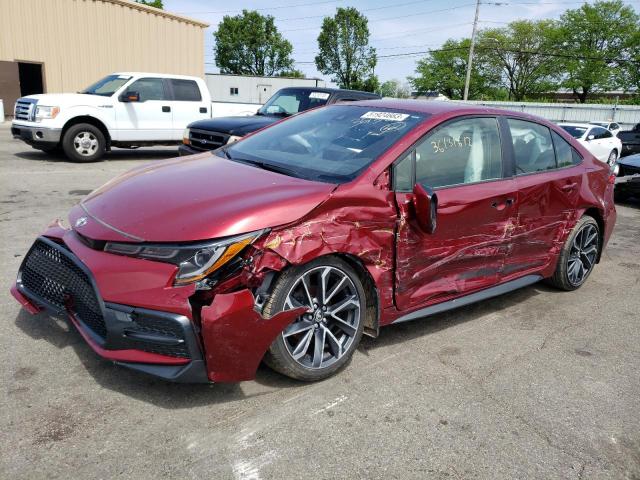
[30, 78]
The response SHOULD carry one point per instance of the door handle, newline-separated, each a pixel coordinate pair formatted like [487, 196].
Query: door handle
[569, 186]
[502, 205]
[166, 108]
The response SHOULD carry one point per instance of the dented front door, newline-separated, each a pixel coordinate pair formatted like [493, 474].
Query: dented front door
[467, 250]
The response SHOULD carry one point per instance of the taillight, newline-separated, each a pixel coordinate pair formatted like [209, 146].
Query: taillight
[612, 179]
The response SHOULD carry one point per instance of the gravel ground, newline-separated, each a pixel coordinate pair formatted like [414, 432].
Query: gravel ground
[535, 384]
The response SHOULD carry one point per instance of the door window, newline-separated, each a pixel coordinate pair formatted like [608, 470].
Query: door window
[149, 89]
[185, 90]
[459, 152]
[600, 133]
[614, 126]
[532, 147]
[565, 154]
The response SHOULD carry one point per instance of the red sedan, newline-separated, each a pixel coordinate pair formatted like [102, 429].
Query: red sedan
[292, 243]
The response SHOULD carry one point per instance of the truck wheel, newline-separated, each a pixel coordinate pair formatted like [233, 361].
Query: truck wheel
[321, 341]
[84, 143]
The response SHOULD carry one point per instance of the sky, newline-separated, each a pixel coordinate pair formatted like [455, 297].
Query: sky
[395, 27]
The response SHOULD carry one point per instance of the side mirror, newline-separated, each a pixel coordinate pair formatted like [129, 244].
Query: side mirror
[425, 202]
[591, 137]
[130, 97]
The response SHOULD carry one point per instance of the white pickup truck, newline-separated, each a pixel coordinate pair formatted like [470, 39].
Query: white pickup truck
[126, 109]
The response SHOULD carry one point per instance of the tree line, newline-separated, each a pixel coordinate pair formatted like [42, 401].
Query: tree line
[588, 50]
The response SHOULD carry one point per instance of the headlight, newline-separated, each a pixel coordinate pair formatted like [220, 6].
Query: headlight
[44, 112]
[185, 136]
[194, 262]
[233, 138]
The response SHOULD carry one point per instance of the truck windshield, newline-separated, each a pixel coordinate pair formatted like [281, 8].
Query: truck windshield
[107, 86]
[289, 101]
[332, 145]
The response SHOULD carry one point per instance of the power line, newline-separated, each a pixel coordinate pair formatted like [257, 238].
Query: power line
[397, 5]
[279, 7]
[390, 18]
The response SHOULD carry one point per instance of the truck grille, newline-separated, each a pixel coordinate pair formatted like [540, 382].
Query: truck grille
[50, 273]
[25, 110]
[203, 140]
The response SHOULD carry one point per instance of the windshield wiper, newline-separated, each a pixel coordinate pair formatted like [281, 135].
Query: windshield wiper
[270, 167]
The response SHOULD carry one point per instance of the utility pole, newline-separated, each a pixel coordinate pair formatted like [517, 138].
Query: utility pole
[473, 44]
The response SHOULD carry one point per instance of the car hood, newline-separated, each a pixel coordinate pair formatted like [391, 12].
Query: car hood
[236, 125]
[631, 160]
[70, 99]
[194, 198]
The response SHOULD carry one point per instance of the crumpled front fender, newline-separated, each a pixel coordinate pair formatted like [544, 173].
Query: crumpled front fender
[236, 337]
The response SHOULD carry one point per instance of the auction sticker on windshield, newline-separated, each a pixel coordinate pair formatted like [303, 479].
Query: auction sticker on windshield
[319, 95]
[388, 116]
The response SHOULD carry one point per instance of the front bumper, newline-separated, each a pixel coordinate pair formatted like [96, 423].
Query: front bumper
[51, 278]
[131, 295]
[36, 135]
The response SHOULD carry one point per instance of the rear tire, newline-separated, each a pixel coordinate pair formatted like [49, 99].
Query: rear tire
[578, 255]
[84, 143]
[319, 343]
[613, 156]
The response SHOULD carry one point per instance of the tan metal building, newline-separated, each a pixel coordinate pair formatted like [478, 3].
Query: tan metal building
[66, 45]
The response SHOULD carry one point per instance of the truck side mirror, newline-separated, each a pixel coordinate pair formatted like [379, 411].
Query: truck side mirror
[425, 202]
[130, 97]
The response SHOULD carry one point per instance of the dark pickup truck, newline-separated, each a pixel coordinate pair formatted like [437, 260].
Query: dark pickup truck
[630, 141]
[213, 133]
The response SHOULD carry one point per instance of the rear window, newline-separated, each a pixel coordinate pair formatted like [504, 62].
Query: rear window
[185, 90]
[565, 154]
[575, 132]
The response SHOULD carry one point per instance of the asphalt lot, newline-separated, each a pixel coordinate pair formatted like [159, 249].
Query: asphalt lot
[536, 384]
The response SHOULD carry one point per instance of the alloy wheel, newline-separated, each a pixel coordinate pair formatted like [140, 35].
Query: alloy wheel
[612, 158]
[582, 256]
[324, 334]
[85, 143]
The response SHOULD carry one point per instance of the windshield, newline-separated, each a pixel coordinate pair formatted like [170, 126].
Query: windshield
[332, 144]
[575, 132]
[107, 86]
[287, 101]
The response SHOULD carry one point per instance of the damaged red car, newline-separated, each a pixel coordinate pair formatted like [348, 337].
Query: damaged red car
[289, 245]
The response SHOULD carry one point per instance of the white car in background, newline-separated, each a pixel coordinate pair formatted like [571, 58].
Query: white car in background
[613, 127]
[598, 140]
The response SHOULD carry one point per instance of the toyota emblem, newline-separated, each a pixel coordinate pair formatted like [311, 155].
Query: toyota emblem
[81, 222]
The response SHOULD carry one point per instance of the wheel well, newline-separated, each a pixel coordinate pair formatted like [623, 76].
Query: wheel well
[597, 216]
[372, 317]
[90, 120]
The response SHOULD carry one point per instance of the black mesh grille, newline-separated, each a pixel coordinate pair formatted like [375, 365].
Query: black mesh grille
[51, 275]
[159, 326]
[203, 140]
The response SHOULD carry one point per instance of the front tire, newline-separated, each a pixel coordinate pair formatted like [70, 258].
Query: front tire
[320, 342]
[84, 143]
[578, 255]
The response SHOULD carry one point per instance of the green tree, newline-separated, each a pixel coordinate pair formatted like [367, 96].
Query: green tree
[370, 84]
[393, 88]
[600, 38]
[444, 70]
[151, 3]
[520, 52]
[291, 73]
[344, 50]
[250, 44]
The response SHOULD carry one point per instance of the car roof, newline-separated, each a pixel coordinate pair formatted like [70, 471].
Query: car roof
[572, 124]
[332, 90]
[600, 122]
[434, 107]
